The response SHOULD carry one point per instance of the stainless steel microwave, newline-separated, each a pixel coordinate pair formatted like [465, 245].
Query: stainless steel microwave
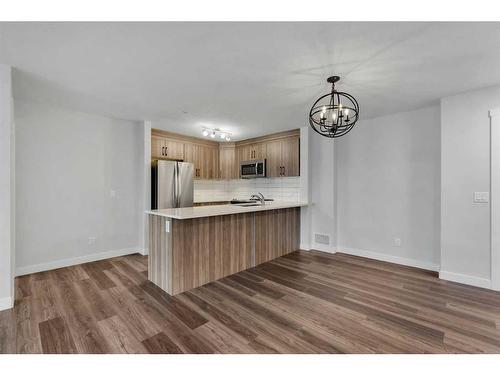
[253, 168]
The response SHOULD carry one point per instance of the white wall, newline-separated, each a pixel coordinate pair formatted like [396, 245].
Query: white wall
[68, 163]
[322, 191]
[7, 189]
[388, 186]
[465, 157]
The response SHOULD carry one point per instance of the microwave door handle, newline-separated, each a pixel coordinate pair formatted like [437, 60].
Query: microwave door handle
[256, 168]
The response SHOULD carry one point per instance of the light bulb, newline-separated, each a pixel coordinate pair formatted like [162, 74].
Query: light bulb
[204, 132]
[346, 112]
[212, 134]
[222, 135]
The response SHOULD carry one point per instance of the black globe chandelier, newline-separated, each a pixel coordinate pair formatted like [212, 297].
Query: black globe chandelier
[334, 115]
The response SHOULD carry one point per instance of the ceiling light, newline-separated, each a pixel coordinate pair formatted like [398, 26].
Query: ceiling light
[334, 115]
[216, 132]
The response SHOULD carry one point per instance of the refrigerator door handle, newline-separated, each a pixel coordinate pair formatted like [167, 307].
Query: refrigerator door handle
[177, 185]
[174, 190]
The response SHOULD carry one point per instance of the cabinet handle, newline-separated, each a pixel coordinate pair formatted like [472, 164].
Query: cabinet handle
[162, 151]
[166, 151]
[283, 171]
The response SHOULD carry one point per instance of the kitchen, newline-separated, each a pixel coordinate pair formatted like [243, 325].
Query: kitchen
[240, 187]
[249, 220]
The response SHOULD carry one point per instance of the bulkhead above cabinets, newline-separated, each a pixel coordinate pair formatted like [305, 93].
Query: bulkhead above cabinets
[214, 160]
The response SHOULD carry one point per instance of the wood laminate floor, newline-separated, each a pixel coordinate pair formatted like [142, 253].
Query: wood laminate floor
[305, 302]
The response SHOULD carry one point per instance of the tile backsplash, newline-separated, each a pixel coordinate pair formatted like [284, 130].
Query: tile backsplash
[279, 188]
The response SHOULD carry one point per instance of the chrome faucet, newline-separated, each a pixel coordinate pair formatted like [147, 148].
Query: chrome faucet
[258, 197]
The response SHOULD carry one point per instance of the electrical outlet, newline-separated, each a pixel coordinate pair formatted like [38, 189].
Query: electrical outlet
[397, 242]
[91, 240]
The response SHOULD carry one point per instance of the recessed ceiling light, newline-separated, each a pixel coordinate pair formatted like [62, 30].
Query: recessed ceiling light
[204, 132]
[212, 134]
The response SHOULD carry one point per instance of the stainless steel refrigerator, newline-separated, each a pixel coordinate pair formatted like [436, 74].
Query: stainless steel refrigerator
[171, 184]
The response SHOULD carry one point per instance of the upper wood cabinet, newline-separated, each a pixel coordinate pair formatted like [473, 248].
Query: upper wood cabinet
[174, 149]
[255, 151]
[205, 160]
[283, 157]
[290, 156]
[214, 160]
[165, 148]
[192, 154]
[227, 162]
[210, 163]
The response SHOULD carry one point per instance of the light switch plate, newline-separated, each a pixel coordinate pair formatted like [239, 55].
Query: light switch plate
[481, 197]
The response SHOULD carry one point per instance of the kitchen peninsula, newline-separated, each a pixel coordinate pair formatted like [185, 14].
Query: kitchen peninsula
[191, 246]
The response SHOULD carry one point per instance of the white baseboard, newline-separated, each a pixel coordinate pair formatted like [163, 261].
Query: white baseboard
[326, 248]
[465, 279]
[304, 246]
[389, 258]
[74, 261]
[6, 303]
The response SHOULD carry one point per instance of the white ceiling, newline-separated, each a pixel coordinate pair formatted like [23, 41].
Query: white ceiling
[247, 78]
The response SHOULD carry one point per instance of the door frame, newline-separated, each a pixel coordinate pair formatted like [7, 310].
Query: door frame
[495, 196]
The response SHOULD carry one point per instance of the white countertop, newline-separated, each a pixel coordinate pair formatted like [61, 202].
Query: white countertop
[225, 209]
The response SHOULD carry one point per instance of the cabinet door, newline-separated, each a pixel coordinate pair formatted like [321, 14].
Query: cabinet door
[273, 155]
[174, 149]
[215, 169]
[227, 163]
[192, 155]
[243, 153]
[290, 156]
[156, 147]
[258, 151]
[208, 162]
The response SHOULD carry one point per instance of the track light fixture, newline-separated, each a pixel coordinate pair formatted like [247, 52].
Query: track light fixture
[213, 132]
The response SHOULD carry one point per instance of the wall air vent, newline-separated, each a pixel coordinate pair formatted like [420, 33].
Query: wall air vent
[322, 238]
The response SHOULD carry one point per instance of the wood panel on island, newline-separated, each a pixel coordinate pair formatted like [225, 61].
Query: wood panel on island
[187, 253]
[214, 160]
